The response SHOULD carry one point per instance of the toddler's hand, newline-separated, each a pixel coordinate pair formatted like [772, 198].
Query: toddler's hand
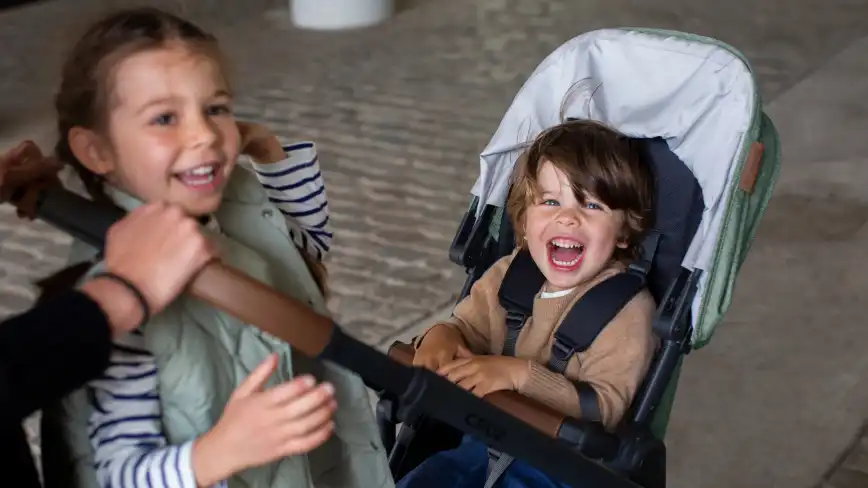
[438, 348]
[482, 375]
[259, 426]
[259, 143]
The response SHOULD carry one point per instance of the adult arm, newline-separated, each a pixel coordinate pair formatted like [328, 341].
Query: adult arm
[59, 345]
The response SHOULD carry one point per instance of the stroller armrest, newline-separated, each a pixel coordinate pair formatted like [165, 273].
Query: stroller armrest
[541, 417]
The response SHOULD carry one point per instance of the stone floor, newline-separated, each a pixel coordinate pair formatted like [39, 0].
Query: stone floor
[851, 471]
[400, 112]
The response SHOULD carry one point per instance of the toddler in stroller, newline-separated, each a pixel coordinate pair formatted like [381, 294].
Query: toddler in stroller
[580, 202]
[691, 106]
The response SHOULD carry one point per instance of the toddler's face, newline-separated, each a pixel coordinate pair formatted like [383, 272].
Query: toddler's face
[569, 241]
[172, 133]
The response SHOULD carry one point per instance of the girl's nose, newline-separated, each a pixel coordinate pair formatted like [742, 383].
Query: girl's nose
[202, 132]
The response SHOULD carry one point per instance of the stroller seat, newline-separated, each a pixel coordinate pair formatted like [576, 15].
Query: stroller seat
[693, 104]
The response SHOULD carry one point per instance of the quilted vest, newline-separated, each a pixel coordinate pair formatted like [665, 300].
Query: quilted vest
[202, 354]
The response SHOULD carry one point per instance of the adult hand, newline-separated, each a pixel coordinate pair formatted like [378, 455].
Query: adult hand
[158, 249]
[25, 168]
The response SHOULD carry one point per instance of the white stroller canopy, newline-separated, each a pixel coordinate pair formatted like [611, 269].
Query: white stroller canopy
[699, 97]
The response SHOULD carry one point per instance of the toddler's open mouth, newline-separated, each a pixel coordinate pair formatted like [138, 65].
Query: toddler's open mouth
[565, 254]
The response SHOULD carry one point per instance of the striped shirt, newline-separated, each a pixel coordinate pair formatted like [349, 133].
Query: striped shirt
[125, 426]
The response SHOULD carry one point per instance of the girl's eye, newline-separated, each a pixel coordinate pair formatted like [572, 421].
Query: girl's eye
[551, 202]
[164, 119]
[593, 206]
[220, 109]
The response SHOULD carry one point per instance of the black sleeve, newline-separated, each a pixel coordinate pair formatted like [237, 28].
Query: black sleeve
[49, 351]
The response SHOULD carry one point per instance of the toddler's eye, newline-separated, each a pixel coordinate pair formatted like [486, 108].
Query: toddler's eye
[164, 119]
[219, 109]
[593, 206]
[550, 202]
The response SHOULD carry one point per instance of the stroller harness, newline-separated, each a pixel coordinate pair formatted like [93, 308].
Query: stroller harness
[580, 327]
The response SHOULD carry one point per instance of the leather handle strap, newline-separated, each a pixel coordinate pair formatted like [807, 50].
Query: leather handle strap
[257, 304]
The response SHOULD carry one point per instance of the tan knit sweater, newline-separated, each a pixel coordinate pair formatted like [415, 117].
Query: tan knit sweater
[614, 364]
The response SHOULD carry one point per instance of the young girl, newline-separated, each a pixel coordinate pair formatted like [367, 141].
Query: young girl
[580, 202]
[145, 113]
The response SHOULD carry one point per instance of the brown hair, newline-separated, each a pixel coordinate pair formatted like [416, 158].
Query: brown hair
[598, 161]
[84, 96]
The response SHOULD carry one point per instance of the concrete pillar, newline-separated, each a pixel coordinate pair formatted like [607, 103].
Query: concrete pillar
[339, 14]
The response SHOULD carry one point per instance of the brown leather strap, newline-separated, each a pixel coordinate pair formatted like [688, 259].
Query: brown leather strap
[541, 417]
[253, 302]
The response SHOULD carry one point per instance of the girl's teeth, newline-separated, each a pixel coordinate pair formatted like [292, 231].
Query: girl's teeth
[201, 171]
[566, 263]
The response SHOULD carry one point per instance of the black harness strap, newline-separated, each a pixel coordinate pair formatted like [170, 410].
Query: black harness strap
[520, 285]
[589, 405]
[591, 313]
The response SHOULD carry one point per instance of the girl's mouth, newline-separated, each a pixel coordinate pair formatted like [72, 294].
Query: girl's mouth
[565, 254]
[204, 177]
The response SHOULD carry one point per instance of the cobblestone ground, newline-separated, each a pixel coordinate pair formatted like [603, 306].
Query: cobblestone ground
[400, 112]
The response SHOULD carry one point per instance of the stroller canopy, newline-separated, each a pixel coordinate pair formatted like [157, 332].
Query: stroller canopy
[699, 97]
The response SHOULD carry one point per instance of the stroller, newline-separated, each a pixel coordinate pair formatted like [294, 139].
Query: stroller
[694, 105]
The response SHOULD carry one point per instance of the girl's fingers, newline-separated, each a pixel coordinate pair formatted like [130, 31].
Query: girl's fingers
[302, 405]
[310, 441]
[289, 391]
[293, 427]
[256, 379]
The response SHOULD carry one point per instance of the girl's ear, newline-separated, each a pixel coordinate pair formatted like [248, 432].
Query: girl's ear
[87, 147]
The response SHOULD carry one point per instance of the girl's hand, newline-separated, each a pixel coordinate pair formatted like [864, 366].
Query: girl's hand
[482, 375]
[259, 426]
[259, 143]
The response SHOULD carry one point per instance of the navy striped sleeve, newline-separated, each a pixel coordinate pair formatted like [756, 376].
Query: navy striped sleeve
[295, 185]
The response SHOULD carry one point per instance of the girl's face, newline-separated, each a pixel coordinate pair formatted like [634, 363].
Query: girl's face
[570, 242]
[171, 132]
